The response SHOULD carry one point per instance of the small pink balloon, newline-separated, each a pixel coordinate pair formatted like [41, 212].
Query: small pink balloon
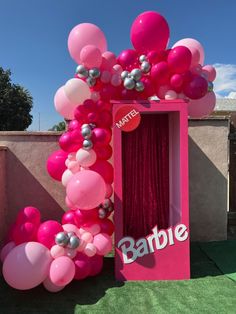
[63, 105]
[27, 265]
[6, 250]
[96, 262]
[117, 69]
[70, 228]
[108, 60]
[162, 91]
[202, 107]
[90, 249]
[82, 266]
[91, 56]
[29, 214]
[170, 95]
[197, 69]
[109, 190]
[210, 72]
[85, 34]
[105, 77]
[66, 177]
[69, 218]
[77, 91]
[47, 232]
[71, 141]
[92, 227]
[62, 271]
[86, 189]
[103, 243]
[56, 164]
[95, 96]
[48, 285]
[107, 226]
[85, 216]
[176, 81]
[128, 58]
[87, 237]
[179, 59]
[57, 251]
[160, 73]
[74, 166]
[82, 245]
[86, 158]
[116, 80]
[71, 253]
[101, 136]
[74, 125]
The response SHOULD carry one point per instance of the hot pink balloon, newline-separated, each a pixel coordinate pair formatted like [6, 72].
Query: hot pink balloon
[149, 31]
[84, 216]
[56, 164]
[74, 125]
[107, 226]
[68, 217]
[25, 232]
[105, 119]
[82, 266]
[160, 72]
[71, 141]
[96, 262]
[27, 265]
[162, 90]
[176, 81]
[109, 190]
[179, 59]
[63, 105]
[29, 214]
[202, 107]
[85, 34]
[195, 47]
[91, 56]
[48, 285]
[105, 169]
[210, 72]
[103, 243]
[86, 189]
[47, 232]
[101, 136]
[62, 271]
[127, 58]
[103, 152]
[196, 88]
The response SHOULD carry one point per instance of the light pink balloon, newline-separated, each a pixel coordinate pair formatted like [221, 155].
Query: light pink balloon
[170, 95]
[86, 158]
[91, 56]
[195, 47]
[70, 228]
[93, 228]
[117, 69]
[66, 177]
[210, 72]
[6, 250]
[95, 96]
[27, 265]
[106, 77]
[77, 91]
[71, 253]
[85, 34]
[62, 271]
[108, 60]
[87, 237]
[202, 107]
[57, 251]
[63, 105]
[90, 249]
[103, 243]
[73, 166]
[48, 285]
[115, 80]
[86, 189]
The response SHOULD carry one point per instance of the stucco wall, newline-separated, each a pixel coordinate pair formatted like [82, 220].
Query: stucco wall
[24, 179]
[208, 171]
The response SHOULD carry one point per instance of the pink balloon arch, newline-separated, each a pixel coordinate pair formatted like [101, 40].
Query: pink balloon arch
[54, 253]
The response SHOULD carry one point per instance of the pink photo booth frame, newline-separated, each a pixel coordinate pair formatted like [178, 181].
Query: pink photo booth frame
[169, 260]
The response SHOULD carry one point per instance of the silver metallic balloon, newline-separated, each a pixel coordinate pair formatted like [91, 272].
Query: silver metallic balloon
[210, 86]
[82, 71]
[136, 74]
[142, 58]
[70, 234]
[106, 203]
[74, 242]
[139, 86]
[129, 83]
[124, 75]
[91, 81]
[145, 67]
[101, 213]
[85, 126]
[62, 239]
[86, 132]
[87, 144]
[94, 73]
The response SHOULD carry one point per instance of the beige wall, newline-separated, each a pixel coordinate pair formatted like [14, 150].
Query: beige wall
[24, 180]
[208, 170]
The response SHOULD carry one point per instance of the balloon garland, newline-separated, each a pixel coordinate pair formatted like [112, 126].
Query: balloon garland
[55, 253]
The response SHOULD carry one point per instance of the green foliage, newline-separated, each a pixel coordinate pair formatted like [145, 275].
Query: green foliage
[15, 104]
[61, 126]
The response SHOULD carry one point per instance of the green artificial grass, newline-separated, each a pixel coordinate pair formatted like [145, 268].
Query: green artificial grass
[209, 291]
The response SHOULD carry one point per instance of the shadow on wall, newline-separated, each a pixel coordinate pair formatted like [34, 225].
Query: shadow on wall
[208, 197]
[23, 189]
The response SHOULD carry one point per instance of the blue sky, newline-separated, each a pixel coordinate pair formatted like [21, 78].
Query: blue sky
[33, 39]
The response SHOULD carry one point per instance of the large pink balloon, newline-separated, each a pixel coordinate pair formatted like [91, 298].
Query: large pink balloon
[62, 271]
[27, 265]
[63, 105]
[77, 91]
[86, 189]
[202, 107]
[149, 31]
[195, 47]
[82, 35]
[56, 164]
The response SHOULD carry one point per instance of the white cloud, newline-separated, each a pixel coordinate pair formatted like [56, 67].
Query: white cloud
[225, 83]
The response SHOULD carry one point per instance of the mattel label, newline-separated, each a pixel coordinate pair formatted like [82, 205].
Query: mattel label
[127, 118]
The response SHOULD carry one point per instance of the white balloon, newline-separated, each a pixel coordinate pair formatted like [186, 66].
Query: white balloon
[77, 91]
[66, 177]
[86, 158]
[170, 95]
